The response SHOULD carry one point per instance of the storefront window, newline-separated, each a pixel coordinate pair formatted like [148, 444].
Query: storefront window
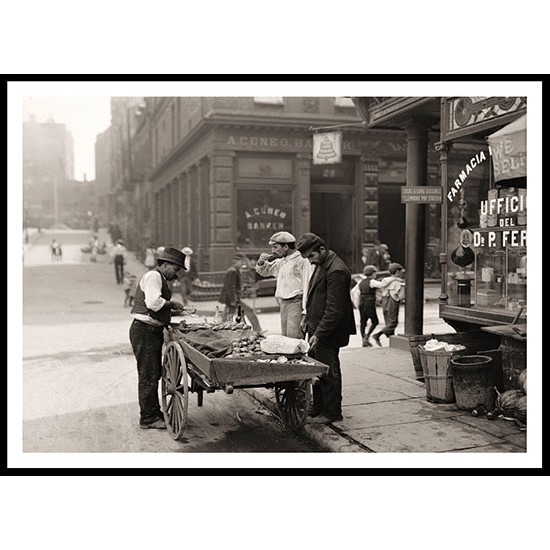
[501, 253]
[468, 173]
[487, 233]
[260, 213]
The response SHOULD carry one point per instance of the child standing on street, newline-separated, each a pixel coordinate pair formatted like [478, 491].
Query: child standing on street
[392, 294]
[129, 285]
[367, 302]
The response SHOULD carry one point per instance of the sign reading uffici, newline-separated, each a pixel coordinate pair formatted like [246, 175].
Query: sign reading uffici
[422, 194]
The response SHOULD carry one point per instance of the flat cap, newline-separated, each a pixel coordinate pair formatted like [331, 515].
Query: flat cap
[369, 270]
[394, 266]
[172, 255]
[307, 242]
[282, 237]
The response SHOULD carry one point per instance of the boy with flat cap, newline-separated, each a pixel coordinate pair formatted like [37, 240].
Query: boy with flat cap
[293, 273]
[152, 312]
[392, 294]
[329, 321]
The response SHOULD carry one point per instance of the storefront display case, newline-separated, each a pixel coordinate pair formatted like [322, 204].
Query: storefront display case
[501, 279]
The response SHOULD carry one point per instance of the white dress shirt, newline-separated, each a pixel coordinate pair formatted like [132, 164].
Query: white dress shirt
[293, 273]
[151, 284]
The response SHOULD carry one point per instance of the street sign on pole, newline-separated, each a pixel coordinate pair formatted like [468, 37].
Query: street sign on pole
[421, 194]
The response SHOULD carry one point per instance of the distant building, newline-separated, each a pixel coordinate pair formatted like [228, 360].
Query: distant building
[48, 161]
[224, 173]
[103, 171]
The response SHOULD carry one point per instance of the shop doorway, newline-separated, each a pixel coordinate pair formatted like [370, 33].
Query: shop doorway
[391, 220]
[332, 218]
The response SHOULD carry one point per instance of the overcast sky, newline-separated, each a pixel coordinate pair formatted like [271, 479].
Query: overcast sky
[85, 117]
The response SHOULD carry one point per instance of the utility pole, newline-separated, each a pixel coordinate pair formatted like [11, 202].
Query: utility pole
[55, 201]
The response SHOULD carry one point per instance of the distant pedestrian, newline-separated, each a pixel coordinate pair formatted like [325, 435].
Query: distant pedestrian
[94, 248]
[367, 302]
[56, 250]
[231, 292]
[187, 277]
[118, 257]
[372, 255]
[293, 273]
[150, 257]
[329, 321]
[129, 285]
[385, 258]
[392, 294]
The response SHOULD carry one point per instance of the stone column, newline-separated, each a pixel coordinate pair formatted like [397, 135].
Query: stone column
[415, 226]
[204, 217]
[201, 211]
[222, 210]
[302, 200]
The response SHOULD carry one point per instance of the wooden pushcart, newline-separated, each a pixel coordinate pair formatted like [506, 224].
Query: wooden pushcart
[186, 369]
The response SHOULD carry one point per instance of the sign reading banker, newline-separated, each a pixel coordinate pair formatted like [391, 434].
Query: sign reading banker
[260, 213]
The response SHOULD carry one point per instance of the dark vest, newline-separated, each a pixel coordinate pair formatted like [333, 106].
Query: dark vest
[163, 315]
[368, 294]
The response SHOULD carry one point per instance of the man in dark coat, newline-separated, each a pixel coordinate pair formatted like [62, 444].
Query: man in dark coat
[329, 321]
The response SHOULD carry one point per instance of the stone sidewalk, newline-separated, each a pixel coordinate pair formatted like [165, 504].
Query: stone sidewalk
[385, 410]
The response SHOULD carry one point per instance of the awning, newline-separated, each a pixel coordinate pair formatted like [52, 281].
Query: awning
[508, 147]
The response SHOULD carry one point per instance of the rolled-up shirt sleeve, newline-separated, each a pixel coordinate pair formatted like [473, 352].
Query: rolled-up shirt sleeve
[151, 284]
[268, 269]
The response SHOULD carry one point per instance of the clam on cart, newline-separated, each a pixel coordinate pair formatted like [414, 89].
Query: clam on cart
[187, 369]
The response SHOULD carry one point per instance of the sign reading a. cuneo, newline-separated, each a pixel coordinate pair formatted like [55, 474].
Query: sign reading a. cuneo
[421, 195]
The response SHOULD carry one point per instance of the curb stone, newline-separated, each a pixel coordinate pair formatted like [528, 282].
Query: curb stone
[325, 436]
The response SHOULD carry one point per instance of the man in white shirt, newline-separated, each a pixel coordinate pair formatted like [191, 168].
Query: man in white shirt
[118, 256]
[293, 273]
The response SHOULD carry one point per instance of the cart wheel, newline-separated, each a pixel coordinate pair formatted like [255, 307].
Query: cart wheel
[293, 400]
[175, 390]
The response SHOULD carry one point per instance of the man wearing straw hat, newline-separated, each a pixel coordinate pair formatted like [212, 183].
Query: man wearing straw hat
[187, 277]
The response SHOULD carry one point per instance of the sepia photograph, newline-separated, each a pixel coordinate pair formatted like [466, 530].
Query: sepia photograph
[332, 276]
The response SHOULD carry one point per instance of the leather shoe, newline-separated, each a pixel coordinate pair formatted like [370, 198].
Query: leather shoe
[313, 413]
[335, 418]
[376, 338]
[157, 425]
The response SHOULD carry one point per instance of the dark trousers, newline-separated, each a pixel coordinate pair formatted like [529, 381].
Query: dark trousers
[147, 343]
[367, 310]
[390, 309]
[327, 393]
[119, 269]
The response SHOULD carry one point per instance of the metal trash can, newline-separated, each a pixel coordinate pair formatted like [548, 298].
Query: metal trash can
[474, 382]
